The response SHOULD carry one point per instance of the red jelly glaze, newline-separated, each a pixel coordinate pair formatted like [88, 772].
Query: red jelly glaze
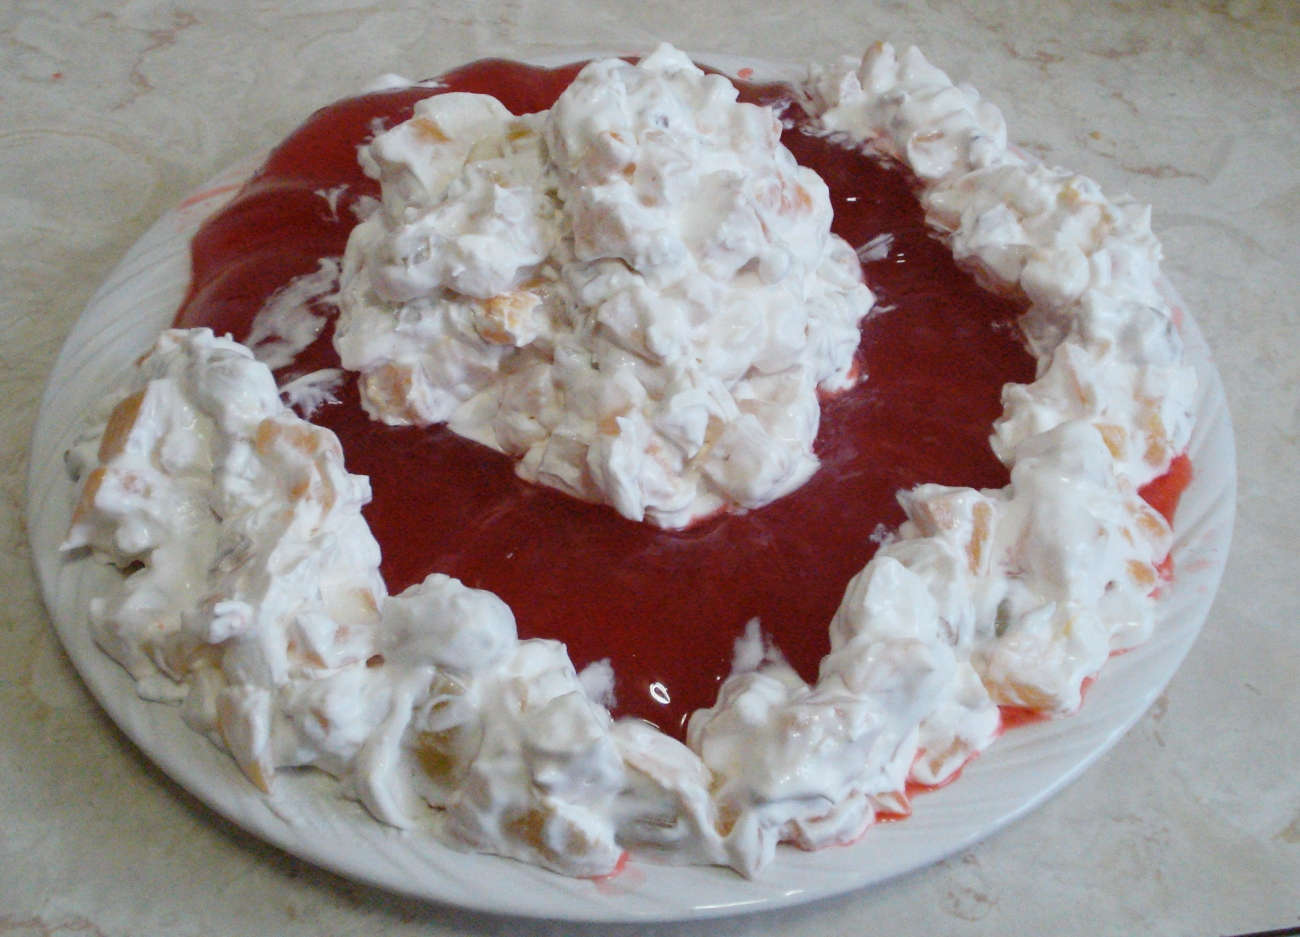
[1165, 492]
[665, 607]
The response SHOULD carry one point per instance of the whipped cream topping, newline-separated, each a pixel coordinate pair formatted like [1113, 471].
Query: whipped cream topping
[1108, 350]
[253, 588]
[635, 293]
[251, 591]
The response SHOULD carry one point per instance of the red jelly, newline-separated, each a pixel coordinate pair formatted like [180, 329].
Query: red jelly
[1165, 492]
[665, 607]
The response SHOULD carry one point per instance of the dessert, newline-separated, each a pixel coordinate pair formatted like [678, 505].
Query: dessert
[294, 653]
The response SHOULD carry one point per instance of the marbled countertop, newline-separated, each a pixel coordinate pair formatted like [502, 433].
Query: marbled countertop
[114, 109]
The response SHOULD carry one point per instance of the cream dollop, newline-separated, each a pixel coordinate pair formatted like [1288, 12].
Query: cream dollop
[635, 293]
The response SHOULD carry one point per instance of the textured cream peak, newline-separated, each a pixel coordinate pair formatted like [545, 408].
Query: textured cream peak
[636, 293]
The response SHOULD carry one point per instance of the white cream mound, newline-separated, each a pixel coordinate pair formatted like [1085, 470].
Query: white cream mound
[635, 293]
[251, 595]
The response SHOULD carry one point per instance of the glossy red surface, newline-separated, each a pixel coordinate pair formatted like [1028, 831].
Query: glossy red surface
[664, 607]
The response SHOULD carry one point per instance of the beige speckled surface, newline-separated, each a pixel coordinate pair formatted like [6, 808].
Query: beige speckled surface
[113, 111]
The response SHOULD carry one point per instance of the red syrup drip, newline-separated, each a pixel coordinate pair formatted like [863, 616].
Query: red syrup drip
[1013, 717]
[665, 607]
[913, 789]
[1164, 493]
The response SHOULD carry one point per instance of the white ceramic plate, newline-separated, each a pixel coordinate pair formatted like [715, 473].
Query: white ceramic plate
[307, 817]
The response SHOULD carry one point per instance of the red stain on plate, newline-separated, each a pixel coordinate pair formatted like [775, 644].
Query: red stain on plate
[205, 194]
